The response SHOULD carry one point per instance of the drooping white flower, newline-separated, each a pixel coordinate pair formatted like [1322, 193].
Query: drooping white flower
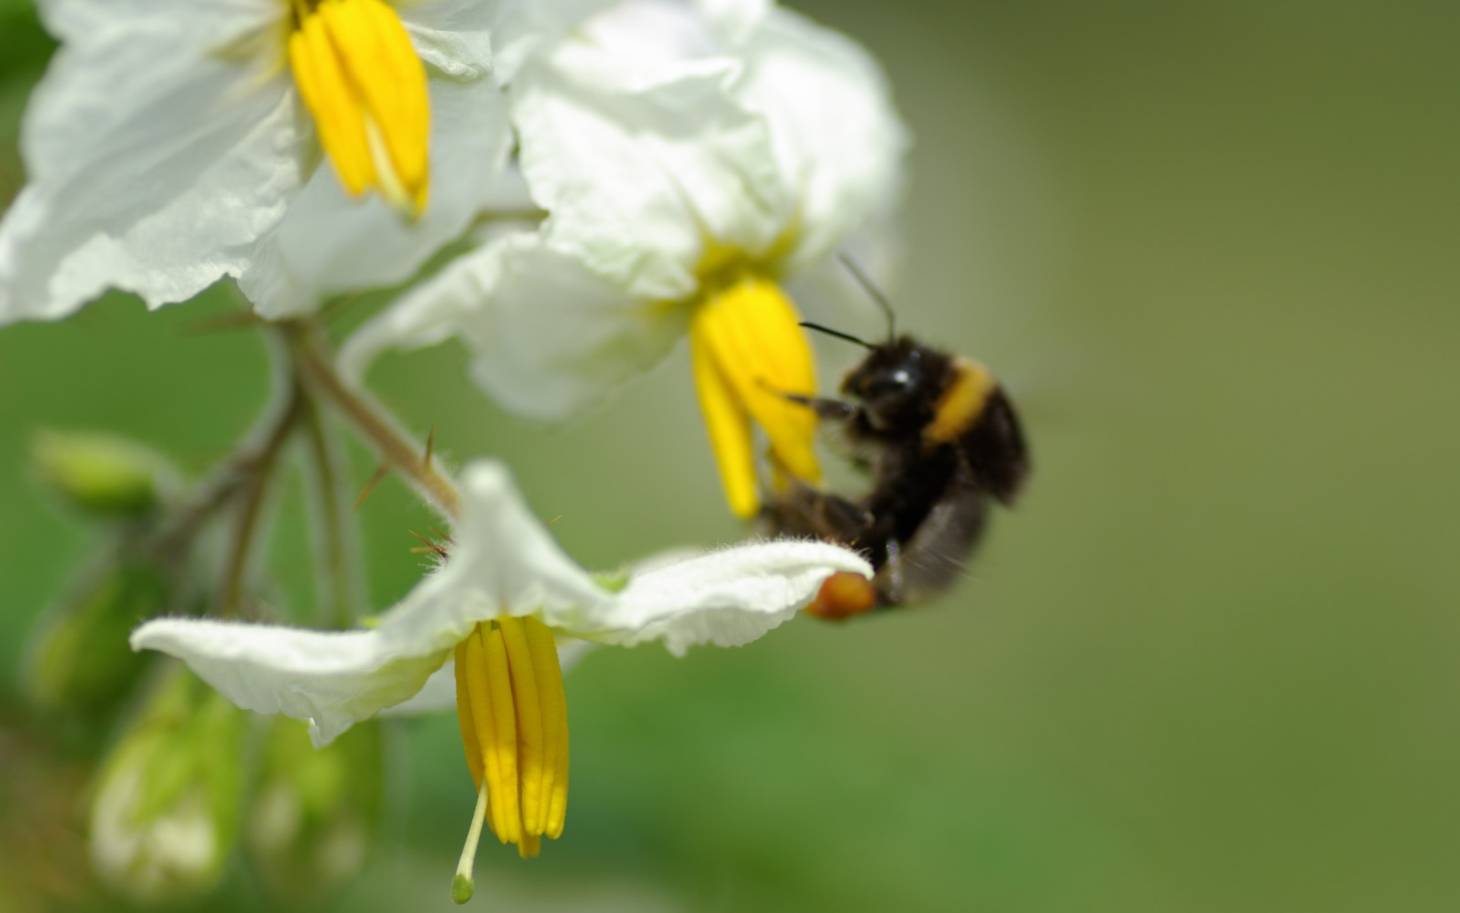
[305, 147]
[692, 157]
[497, 607]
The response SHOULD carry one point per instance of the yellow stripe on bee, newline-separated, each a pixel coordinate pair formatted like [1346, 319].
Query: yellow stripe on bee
[959, 406]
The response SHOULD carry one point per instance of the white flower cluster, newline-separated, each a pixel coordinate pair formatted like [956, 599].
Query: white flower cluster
[613, 175]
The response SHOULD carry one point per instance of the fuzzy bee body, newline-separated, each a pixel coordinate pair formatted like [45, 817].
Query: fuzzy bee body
[942, 442]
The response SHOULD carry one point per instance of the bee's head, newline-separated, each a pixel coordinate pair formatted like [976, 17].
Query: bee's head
[898, 384]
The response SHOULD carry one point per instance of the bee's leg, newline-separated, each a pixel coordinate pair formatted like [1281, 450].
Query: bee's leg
[807, 511]
[891, 583]
[829, 409]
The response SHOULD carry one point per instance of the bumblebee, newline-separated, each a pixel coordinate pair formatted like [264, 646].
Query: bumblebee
[941, 441]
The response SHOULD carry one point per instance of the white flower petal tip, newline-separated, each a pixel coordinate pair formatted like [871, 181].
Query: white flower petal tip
[728, 597]
[489, 481]
[333, 679]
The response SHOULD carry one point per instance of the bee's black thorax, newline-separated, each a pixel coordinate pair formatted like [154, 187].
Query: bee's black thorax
[943, 440]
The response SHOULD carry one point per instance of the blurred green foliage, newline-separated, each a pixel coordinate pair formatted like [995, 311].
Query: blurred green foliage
[1208, 665]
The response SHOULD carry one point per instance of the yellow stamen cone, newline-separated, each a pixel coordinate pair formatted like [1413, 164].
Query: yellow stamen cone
[748, 349]
[514, 727]
[365, 86]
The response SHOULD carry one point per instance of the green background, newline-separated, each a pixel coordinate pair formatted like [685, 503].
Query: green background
[1209, 664]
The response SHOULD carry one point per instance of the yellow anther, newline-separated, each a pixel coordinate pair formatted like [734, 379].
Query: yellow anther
[748, 348]
[514, 727]
[464, 715]
[365, 87]
[506, 791]
[554, 723]
[529, 724]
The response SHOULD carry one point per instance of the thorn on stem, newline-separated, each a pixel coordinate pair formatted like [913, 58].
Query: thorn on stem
[375, 479]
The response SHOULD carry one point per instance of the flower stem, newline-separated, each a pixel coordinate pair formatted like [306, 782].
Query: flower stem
[259, 471]
[336, 578]
[370, 421]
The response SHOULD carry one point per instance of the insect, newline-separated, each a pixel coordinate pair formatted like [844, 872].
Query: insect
[941, 441]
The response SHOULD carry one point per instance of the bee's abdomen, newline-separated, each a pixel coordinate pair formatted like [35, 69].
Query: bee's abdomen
[995, 448]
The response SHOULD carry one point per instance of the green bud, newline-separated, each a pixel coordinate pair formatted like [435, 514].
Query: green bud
[102, 474]
[80, 660]
[165, 810]
[315, 811]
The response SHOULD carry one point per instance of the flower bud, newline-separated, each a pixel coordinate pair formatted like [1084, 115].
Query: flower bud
[315, 811]
[80, 660]
[103, 475]
[165, 811]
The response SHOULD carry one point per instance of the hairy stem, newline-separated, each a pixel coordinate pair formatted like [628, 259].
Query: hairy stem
[371, 422]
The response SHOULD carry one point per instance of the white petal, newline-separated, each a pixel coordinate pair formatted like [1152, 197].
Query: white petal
[502, 562]
[638, 168]
[647, 34]
[735, 19]
[549, 336]
[836, 132]
[553, 336]
[522, 27]
[726, 598]
[452, 37]
[329, 243]
[196, 25]
[156, 161]
[331, 679]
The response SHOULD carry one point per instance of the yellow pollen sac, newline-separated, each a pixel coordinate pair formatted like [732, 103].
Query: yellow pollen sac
[365, 87]
[749, 349]
[514, 727]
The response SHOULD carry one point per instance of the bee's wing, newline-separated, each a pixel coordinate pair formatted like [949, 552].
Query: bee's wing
[937, 554]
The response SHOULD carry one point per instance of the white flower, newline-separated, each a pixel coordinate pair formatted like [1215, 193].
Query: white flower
[691, 157]
[497, 605]
[305, 147]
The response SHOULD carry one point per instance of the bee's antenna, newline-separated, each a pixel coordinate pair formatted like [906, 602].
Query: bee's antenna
[871, 288]
[837, 333]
